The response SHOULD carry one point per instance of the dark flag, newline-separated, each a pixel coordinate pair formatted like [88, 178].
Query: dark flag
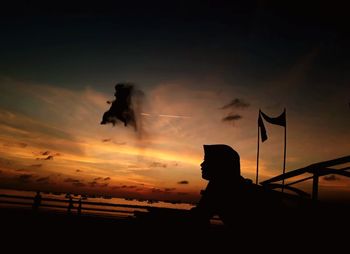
[262, 128]
[280, 120]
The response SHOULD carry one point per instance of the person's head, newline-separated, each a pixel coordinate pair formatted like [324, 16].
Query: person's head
[221, 162]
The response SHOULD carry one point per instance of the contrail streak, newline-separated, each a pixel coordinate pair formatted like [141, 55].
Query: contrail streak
[163, 115]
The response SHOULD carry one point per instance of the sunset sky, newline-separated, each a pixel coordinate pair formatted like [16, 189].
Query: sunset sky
[59, 65]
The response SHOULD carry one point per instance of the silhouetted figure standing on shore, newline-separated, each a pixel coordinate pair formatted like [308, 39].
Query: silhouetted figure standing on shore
[225, 194]
[79, 207]
[70, 204]
[37, 201]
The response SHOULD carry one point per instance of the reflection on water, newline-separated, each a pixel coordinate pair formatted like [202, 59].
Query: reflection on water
[89, 208]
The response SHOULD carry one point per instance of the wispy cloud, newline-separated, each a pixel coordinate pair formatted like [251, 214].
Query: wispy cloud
[232, 118]
[25, 178]
[236, 104]
[43, 179]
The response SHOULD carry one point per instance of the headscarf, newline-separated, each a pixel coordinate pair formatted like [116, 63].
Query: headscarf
[225, 160]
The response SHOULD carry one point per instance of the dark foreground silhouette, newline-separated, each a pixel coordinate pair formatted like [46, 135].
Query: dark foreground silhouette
[254, 218]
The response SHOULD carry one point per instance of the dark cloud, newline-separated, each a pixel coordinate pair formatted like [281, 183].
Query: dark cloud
[43, 179]
[96, 184]
[16, 144]
[71, 180]
[49, 155]
[5, 162]
[121, 108]
[236, 104]
[93, 183]
[97, 178]
[183, 182]
[106, 140]
[156, 190]
[232, 118]
[78, 184]
[107, 178]
[182, 193]
[330, 178]
[158, 165]
[36, 165]
[78, 171]
[128, 186]
[165, 190]
[25, 178]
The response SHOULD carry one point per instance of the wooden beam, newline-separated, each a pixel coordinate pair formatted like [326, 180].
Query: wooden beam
[315, 187]
[309, 169]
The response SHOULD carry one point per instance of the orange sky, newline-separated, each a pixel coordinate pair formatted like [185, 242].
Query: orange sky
[51, 139]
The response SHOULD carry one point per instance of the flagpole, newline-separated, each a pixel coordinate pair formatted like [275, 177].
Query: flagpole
[257, 156]
[285, 151]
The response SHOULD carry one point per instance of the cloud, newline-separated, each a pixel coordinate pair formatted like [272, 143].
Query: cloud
[233, 106]
[161, 191]
[107, 178]
[49, 155]
[15, 144]
[331, 178]
[43, 179]
[36, 165]
[78, 170]
[158, 165]
[25, 178]
[71, 180]
[236, 104]
[106, 140]
[183, 182]
[128, 186]
[232, 118]
[78, 184]
[45, 153]
[182, 193]
[94, 183]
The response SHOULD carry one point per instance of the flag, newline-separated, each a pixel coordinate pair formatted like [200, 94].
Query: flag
[262, 128]
[280, 120]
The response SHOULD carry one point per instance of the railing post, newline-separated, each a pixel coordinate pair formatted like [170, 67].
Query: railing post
[315, 187]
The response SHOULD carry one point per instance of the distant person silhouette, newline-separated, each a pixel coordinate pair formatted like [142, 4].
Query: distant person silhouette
[79, 206]
[70, 204]
[225, 193]
[37, 201]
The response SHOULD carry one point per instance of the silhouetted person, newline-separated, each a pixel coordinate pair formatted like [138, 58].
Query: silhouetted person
[79, 206]
[37, 201]
[70, 204]
[225, 193]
